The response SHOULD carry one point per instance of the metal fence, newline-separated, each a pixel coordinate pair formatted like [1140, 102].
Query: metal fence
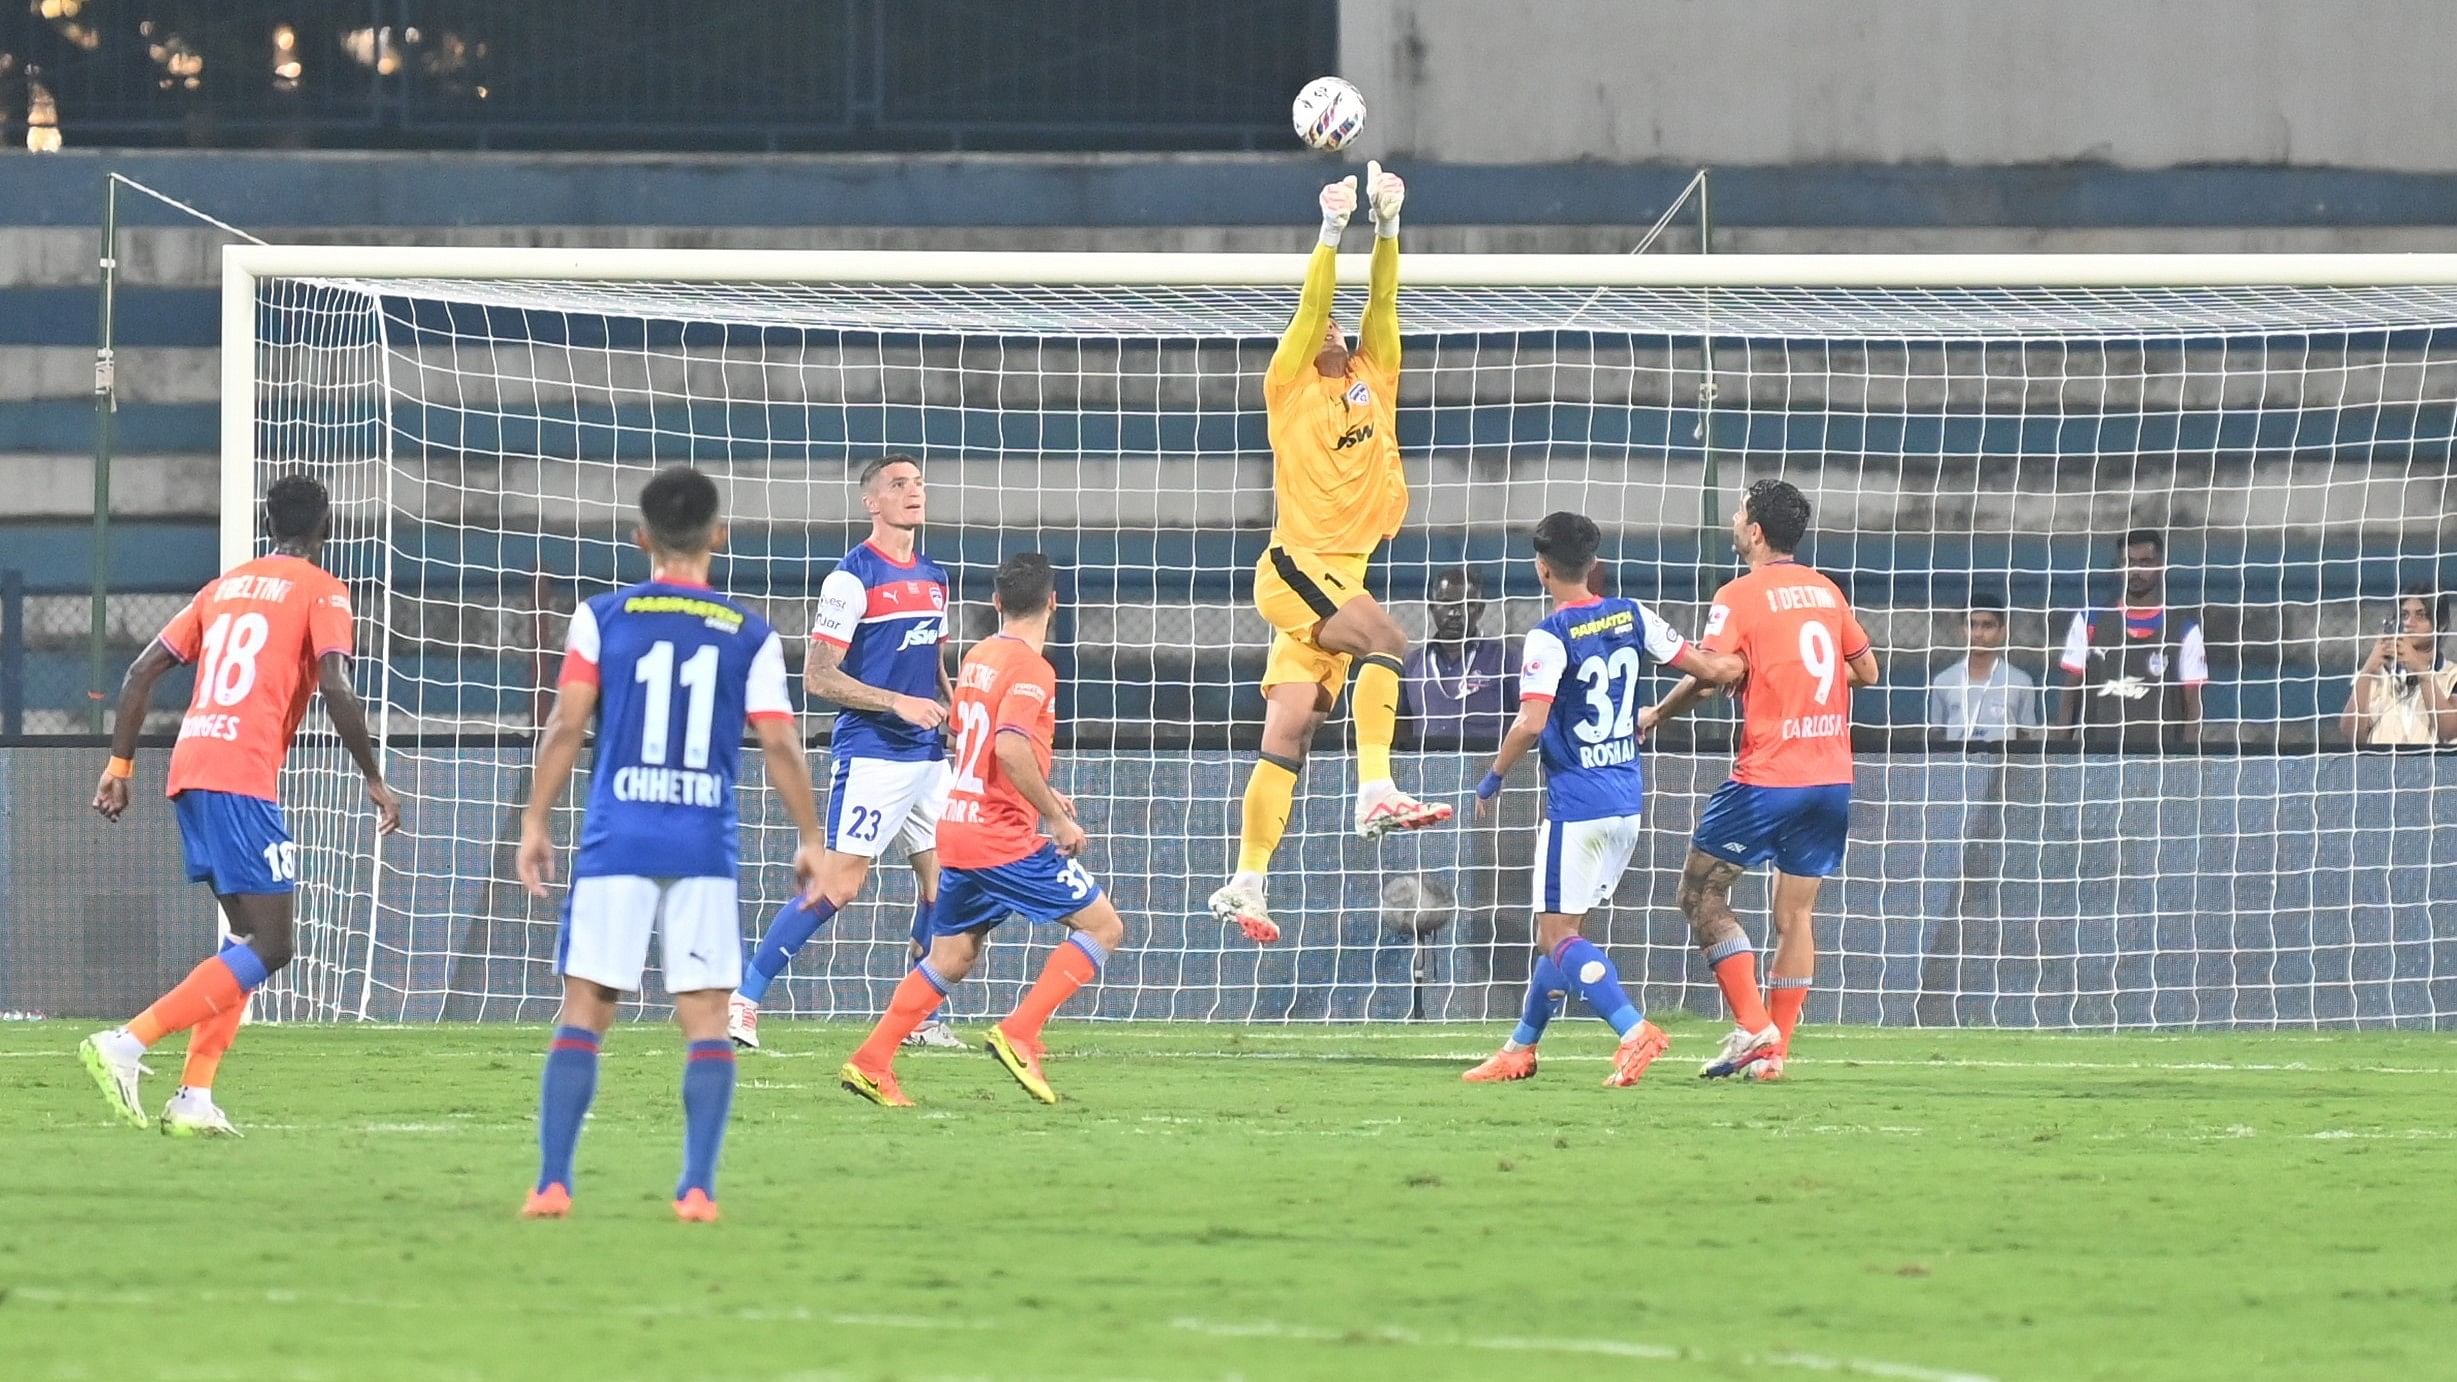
[730, 74]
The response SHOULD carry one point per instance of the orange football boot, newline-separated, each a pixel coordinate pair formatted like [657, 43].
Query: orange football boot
[1504, 1065]
[695, 1207]
[553, 1202]
[1637, 1051]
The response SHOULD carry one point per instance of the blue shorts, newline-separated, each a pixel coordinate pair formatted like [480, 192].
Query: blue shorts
[238, 844]
[1802, 829]
[1042, 886]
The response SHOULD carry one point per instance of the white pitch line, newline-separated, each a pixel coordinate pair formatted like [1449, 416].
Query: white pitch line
[1609, 1348]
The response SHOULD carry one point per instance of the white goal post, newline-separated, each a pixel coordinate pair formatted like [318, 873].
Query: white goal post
[1971, 428]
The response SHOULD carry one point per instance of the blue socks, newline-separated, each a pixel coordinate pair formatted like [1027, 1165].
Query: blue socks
[1598, 982]
[241, 960]
[1544, 982]
[792, 929]
[563, 1100]
[708, 1101]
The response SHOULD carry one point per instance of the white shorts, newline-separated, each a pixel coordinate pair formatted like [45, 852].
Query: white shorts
[607, 920]
[1580, 863]
[875, 801]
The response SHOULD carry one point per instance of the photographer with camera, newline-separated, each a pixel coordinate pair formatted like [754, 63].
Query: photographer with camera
[2405, 694]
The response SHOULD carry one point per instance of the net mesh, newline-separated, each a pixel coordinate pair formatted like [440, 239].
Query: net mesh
[485, 439]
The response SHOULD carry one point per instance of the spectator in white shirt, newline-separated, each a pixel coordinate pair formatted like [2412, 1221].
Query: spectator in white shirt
[1982, 698]
[2405, 694]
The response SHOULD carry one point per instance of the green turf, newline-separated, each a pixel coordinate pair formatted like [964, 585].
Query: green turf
[1258, 1202]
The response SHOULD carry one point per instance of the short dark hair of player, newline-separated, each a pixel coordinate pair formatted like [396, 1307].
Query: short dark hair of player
[879, 467]
[1988, 602]
[295, 507]
[1781, 513]
[2141, 537]
[1567, 543]
[679, 509]
[1024, 584]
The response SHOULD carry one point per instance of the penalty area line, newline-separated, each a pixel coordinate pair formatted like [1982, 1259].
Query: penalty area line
[1605, 1348]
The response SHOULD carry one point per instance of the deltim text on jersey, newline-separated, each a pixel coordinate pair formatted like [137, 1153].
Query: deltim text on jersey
[1783, 597]
[668, 787]
[252, 586]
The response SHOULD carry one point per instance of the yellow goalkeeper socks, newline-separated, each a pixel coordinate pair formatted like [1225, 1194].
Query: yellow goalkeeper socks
[1271, 793]
[1376, 705]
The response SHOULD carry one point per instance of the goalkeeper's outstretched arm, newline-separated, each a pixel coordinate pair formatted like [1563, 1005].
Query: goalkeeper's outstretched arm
[1378, 338]
[1303, 339]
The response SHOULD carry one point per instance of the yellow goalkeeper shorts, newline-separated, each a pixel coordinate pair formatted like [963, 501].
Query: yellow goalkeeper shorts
[1295, 590]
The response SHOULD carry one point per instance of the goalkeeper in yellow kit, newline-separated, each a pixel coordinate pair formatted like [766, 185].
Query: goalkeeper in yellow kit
[1336, 479]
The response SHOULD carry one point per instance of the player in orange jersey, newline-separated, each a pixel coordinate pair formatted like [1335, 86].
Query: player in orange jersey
[263, 637]
[1789, 798]
[994, 861]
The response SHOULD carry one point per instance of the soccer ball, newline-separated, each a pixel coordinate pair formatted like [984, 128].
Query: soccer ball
[1328, 114]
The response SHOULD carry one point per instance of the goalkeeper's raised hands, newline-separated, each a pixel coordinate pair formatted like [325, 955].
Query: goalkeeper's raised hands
[1384, 192]
[1338, 204]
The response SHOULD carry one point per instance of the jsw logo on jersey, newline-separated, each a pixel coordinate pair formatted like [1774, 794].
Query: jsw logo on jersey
[928, 633]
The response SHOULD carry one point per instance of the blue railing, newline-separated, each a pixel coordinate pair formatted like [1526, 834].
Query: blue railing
[617, 74]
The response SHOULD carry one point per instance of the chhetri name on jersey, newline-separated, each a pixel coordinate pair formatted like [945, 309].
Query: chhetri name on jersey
[1783, 597]
[668, 786]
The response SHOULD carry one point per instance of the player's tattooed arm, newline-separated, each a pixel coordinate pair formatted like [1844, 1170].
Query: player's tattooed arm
[1676, 703]
[823, 675]
[557, 751]
[1015, 756]
[349, 719]
[136, 694]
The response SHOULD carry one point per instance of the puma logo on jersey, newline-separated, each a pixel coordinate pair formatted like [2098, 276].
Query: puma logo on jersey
[1353, 436]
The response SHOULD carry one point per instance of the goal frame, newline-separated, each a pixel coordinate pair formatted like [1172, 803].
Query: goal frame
[246, 267]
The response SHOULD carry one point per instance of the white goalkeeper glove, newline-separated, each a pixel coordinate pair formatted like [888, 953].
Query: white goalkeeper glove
[1338, 204]
[1385, 192]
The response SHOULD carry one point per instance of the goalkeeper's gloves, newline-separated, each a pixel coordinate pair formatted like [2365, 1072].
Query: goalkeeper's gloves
[1385, 192]
[1338, 204]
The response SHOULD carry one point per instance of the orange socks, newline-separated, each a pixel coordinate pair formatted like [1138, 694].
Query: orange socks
[1070, 967]
[210, 988]
[1785, 995]
[207, 1043]
[1735, 966]
[916, 998]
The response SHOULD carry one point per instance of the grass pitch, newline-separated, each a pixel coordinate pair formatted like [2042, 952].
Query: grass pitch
[1260, 1202]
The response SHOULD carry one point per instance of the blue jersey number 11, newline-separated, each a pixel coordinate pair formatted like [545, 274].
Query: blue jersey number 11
[655, 670]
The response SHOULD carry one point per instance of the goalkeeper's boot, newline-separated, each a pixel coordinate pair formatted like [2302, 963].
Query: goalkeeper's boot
[1638, 1050]
[1767, 1071]
[1240, 903]
[936, 1035]
[1742, 1049]
[878, 1086]
[1382, 808]
[742, 1022]
[553, 1202]
[1504, 1065]
[695, 1207]
[1022, 1059]
[191, 1113]
[112, 1059]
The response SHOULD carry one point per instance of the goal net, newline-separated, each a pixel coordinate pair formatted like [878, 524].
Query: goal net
[1972, 432]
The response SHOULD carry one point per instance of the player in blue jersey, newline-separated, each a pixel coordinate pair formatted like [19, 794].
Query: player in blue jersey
[669, 671]
[874, 651]
[1594, 787]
